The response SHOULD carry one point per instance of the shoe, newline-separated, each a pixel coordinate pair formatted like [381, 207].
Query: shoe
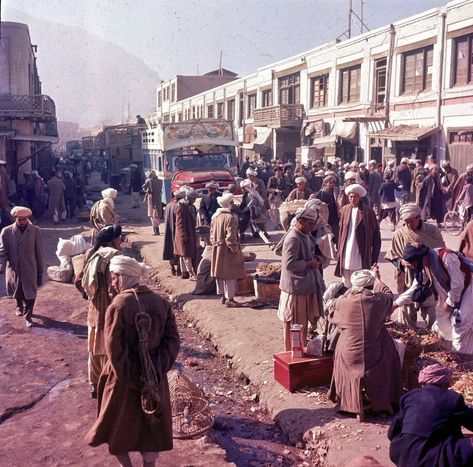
[19, 311]
[185, 275]
[193, 278]
[93, 394]
[233, 304]
[223, 300]
[173, 271]
[29, 323]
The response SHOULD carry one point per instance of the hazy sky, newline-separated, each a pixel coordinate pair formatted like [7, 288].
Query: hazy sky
[175, 36]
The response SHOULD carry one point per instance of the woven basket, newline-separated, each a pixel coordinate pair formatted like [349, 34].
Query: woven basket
[191, 414]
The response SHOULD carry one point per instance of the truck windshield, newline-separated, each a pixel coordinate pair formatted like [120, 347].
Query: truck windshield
[201, 161]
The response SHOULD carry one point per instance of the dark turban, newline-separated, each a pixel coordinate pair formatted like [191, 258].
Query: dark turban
[104, 236]
[414, 254]
[435, 374]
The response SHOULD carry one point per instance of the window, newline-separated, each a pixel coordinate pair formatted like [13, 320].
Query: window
[159, 99]
[417, 70]
[173, 92]
[194, 113]
[464, 136]
[210, 111]
[251, 105]
[290, 89]
[463, 60]
[319, 91]
[220, 110]
[179, 117]
[350, 85]
[173, 118]
[241, 116]
[380, 82]
[231, 109]
[267, 98]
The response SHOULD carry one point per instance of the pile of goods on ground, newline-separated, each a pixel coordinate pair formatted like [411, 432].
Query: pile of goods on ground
[268, 271]
[415, 339]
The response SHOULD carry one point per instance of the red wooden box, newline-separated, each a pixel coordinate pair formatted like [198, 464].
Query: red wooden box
[296, 373]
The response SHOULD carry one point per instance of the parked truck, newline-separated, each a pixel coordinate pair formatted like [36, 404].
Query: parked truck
[191, 153]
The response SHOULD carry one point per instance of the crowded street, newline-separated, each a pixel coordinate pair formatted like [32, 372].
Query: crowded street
[248, 245]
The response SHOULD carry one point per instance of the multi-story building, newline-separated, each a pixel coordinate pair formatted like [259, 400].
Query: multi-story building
[406, 88]
[27, 117]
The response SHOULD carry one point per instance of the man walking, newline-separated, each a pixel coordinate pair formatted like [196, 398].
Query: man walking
[57, 204]
[21, 257]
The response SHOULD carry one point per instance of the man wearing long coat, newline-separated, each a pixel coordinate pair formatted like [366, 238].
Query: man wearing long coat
[227, 263]
[431, 196]
[365, 355]
[121, 421]
[103, 212]
[169, 231]
[185, 237]
[153, 187]
[359, 241]
[57, 204]
[21, 257]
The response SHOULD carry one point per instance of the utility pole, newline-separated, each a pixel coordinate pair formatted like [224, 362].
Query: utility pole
[353, 15]
[361, 14]
[350, 11]
[220, 71]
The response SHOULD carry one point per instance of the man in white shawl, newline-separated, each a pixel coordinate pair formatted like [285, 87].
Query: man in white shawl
[227, 263]
[103, 212]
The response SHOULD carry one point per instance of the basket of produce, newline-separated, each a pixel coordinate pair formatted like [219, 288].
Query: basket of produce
[266, 283]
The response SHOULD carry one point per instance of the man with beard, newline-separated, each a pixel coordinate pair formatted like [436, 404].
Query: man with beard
[327, 196]
[169, 230]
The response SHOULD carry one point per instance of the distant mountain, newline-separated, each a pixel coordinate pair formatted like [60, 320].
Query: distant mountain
[91, 80]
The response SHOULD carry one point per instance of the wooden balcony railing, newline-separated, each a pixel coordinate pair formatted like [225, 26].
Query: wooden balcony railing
[289, 115]
[40, 107]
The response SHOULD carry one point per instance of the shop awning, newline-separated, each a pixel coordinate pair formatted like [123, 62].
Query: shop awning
[37, 138]
[405, 132]
[261, 142]
[346, 131]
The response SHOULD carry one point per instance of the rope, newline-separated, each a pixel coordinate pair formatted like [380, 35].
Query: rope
[150, 401]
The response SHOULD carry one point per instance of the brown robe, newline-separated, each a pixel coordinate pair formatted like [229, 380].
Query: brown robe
[153, 188]
[103, 213]
[21, 257]
[121, 423]
[227, 258]
[365, 355]
[56, 189]
[184, 234]
[368, 236]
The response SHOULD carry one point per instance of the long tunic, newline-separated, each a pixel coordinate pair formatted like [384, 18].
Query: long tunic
[121, 422]
[365, 355]
[431, 199]
[153, 188]
[427, 429]
[169, 229]
[56, 189]
[368, 236]
[185, 239]
[227, 258]
[21, 257]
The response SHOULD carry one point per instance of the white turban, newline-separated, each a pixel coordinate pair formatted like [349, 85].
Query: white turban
[313, 203]
[307, 213]
[355, 188]
[179, 194]
[409, 210]
[126, 266]
[469, 167]
[404, 160]
[354, 164]
[245, 183]
[346, 165]
[211, 185]
[362, 278]
[349, 175]
[250, 172]
[21, 211]
[225, 200]
[373, 162]
[301, 180]
[109, 193]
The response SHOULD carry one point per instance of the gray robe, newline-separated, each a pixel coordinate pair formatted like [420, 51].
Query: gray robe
[21, 257]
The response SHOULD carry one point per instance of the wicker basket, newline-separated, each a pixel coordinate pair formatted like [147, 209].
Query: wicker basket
[191, 414]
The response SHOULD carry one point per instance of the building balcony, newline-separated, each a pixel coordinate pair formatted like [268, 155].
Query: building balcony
[37, 107]
[277, 116]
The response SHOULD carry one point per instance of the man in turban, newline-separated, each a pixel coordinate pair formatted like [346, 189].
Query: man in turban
[366, 363]
[459, 184]
[414, 230]
[427, 430]
[153, 188]
[451, 277]
[103, 212]
[301, 191]
[57, 205]
[185, 237]
[93, 282]
[298, 284]
[21, 258]
[227, 263]
[142, 343]
[327, 196]
[258, 185]
[169, 230]
[431, 196]
[208, 203]
[359, 239]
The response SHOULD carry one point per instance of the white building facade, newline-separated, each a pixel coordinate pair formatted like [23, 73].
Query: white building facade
[403, 89]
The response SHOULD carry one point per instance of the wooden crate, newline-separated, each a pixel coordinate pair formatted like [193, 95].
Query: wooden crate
[267, 293]
[245, 286]
[296, 373]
